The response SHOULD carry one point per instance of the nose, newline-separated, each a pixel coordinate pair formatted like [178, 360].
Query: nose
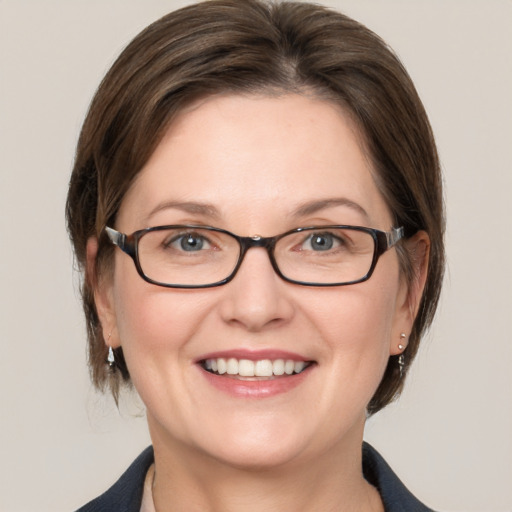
[256, 298]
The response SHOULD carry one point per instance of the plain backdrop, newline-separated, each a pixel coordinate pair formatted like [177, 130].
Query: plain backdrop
[450, 435]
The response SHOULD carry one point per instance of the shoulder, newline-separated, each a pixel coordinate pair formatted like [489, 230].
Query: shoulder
[126, 494]
[395, 496]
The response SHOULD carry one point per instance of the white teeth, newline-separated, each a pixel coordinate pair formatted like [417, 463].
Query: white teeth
[246, 368]
[299, 366]
[260, 368]
[278, 367]
[232, 367]
[221, 366]
[263, 368]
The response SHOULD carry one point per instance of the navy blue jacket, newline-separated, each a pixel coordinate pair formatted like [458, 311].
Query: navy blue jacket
[126, 494]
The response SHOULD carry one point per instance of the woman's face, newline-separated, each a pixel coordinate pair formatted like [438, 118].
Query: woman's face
[256, 165]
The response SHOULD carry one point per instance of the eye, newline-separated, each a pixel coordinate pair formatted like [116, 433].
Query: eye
[188, 242]
[321, 242]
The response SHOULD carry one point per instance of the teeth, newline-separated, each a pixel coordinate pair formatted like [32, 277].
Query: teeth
[246, 368]
[299, 366]
[260, 368]
[221, 366]
[232, 367]
[263, 368]
[278, 367]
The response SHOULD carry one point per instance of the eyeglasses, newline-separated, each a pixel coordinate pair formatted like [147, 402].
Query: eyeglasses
[189, 256]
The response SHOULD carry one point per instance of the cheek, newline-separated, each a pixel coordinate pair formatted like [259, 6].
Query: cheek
[154, 322]
[354, 318]
[156, 329]
[356, 324]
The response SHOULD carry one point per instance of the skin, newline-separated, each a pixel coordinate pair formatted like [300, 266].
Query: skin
[257, 160]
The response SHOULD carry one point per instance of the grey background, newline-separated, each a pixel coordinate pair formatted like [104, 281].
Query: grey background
[449, 437]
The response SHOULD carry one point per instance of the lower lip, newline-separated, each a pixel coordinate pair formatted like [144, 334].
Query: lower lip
[255, 388]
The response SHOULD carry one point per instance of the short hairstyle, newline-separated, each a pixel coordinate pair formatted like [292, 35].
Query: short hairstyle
[255, 47]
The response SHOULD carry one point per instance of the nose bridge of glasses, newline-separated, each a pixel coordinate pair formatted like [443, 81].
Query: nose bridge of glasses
[257, 241]
[248, 242]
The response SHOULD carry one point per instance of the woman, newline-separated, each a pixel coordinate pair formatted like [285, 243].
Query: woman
[256, 204]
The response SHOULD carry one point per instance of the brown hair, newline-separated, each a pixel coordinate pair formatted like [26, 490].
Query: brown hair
[253, 46]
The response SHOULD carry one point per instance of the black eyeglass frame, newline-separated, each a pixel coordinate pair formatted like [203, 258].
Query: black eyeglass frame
[383, 241]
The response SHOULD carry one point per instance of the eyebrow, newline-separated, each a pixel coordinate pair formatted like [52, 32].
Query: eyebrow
[205, 209]
[304, 210]
[315, 206]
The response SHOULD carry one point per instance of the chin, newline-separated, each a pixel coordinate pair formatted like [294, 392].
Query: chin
[261, 444]
[253, 457]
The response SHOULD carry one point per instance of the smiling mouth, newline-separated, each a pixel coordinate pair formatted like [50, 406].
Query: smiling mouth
[246, 368]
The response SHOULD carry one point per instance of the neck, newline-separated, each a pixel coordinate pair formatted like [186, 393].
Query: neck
[186, 479]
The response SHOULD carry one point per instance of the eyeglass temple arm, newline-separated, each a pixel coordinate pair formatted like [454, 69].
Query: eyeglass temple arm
[116, 237]
[394, 235]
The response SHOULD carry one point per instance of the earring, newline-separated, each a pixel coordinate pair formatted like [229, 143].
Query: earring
[401, 364]
[111, 360]
[402, 338]
[401, 357]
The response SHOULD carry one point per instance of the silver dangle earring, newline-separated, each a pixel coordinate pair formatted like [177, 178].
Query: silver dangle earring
[401, 364]
[111, 360]
[401, 357]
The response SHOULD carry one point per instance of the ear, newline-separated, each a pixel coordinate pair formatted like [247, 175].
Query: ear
[411, 292]
[102, 287]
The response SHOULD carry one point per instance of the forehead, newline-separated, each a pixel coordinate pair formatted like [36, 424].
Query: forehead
[252, 157]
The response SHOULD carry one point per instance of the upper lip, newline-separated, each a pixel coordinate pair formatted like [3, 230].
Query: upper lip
[253, 355]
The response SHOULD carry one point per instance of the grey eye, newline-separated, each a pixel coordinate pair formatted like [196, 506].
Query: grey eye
[191, 243]
[321, 242]
[188, 242]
